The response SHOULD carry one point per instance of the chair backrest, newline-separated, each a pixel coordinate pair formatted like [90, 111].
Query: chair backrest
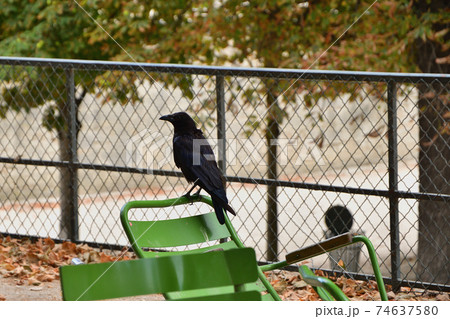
[154, 238]
[149, 237]
[231, 268]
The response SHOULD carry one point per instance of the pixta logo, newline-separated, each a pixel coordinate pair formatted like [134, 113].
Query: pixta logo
[149, 150]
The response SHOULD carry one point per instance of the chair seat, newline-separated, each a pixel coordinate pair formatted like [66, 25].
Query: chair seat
[217, 275]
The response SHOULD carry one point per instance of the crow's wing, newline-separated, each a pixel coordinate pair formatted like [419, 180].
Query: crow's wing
[197, 161]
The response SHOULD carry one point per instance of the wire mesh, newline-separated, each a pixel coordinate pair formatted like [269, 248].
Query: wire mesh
[333, 147]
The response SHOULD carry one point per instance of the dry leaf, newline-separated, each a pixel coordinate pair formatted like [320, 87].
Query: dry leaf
[391, 295]
[69, 248]
[279, 285]
[300, 284]
[49, 243]
[106, 258]
[442, 297]
[8, 266]
[33, 281]
[32, 258]
[44, 277]
[320, 273]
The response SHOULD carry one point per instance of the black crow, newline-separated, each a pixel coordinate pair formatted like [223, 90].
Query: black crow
[194, 156]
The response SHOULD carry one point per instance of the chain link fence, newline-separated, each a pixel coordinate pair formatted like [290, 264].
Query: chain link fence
[81, 138]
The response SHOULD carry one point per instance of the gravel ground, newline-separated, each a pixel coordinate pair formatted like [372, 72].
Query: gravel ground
[51, 291]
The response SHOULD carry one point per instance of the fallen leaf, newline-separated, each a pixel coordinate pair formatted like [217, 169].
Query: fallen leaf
[2, 298]
[279, 286]
[7, 266]
[45, 277]
[300, 284]
[442, 297]
[93, 257]
[32, 258]
[49, 243]
[69, 248]
[106, 258]
[320, 273]
[33, 281]
[4, 249]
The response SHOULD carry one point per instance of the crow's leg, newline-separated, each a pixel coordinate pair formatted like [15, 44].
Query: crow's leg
[188, 194]
[197, 193]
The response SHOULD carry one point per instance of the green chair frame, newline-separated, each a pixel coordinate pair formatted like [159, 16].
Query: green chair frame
[223, 273]
[153, 239]
[325, 288]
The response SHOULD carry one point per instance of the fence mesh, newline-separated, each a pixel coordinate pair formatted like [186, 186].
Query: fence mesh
[341, 140]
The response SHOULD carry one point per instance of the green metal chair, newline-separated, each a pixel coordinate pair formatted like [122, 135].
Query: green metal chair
[322, 285]
[222, 273]
[153, 238]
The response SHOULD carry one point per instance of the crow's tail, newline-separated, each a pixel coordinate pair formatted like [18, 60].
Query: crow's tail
[218, 208]
[231, 210]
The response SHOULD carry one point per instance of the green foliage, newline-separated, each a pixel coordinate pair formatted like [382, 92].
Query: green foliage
[276, 33]
[55, 29]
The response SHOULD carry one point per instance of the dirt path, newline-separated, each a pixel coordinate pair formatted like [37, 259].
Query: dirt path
[10, 291]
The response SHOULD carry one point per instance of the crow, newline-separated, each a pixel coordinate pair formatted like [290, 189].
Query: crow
[194, 156]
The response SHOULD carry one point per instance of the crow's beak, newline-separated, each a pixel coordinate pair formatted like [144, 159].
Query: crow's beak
[166, 118]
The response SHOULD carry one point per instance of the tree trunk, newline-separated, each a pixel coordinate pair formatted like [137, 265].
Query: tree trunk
[434, 154]
[272, 134]
[434, 176]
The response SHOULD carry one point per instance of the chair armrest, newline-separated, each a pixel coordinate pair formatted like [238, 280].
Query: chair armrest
[319, 248]
[311, 251]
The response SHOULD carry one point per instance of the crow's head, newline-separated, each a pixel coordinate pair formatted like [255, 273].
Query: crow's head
[180, 120]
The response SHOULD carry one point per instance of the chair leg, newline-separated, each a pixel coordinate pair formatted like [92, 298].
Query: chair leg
[375, 266]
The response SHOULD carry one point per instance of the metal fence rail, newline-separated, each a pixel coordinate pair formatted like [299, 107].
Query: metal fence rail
[83, 137]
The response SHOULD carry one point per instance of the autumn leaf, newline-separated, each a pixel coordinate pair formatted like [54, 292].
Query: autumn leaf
[106, 258]
[49, 243]
[45, 277]
[32, 258]
[33, 281]
[69, 248]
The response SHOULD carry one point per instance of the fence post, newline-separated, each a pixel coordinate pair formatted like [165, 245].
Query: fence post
[221, 136]
[393, 184]
[73, 171]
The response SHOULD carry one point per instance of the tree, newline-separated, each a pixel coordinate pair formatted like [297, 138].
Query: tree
[54, 29]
